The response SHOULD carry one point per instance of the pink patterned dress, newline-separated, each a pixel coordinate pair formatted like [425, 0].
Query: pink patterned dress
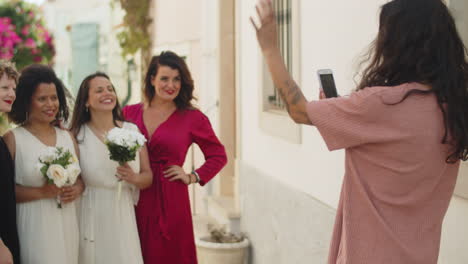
[397, 184]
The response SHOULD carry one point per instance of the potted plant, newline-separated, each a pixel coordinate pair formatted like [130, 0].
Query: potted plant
[221, 247]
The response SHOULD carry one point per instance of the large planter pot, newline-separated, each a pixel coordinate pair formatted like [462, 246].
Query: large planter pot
[221, 253]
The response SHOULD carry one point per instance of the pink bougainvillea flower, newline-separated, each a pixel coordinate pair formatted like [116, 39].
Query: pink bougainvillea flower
[30, 43]
[6, 54]
[25, 30]
[15, 38]
[8, 43]
[5, 24]
[47, 38]
[5, 20]
[8, 38]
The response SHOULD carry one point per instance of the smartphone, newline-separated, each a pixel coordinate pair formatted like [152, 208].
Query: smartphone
[327, 83]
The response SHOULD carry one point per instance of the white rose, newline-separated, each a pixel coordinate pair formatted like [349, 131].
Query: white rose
[141, 139]
[115, 135]
[125, 137]
[73, 170]
[136, 138]
[57, 174]
[49, 155]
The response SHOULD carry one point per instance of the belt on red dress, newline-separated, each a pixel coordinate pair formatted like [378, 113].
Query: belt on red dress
[160, 196]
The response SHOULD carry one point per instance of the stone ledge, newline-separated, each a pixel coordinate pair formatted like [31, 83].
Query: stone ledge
[223, 211]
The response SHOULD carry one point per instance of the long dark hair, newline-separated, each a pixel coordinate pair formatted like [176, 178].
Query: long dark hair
[418, 42]
[29, 80]
[172, 60]
[80, 113]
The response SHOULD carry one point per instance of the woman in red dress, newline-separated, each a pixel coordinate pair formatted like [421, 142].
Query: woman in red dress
[171, 124]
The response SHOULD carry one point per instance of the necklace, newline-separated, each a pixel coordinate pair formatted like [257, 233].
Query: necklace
[100, 133]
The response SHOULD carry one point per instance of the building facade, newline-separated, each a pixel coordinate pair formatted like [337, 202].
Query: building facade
[282, 185]
[85, 38]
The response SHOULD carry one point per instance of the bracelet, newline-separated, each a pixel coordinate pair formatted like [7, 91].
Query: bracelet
[190, 178]
[196, 176]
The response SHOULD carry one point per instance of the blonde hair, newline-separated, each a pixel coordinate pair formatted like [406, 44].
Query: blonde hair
[8, 68]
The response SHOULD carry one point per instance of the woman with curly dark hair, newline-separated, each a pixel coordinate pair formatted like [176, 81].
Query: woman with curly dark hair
[48, 234]
[171, 124]
[404, 130]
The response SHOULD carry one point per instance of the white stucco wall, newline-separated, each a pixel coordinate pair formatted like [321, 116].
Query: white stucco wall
[288, 192]
[190, 28]
[334, 35]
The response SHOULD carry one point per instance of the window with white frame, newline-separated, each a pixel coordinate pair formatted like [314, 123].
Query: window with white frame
[283, 11]
[284, 29]
[273, 118]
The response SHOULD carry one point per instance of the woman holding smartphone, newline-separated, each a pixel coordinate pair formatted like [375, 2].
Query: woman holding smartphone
[404, 130]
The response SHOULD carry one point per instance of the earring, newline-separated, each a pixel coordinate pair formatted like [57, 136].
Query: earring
[87, 109]
[25, 119]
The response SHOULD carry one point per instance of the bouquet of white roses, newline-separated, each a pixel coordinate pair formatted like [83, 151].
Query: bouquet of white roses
[123, 145]
[59, 167]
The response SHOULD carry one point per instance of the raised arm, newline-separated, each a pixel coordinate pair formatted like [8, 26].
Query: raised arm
[268, 40]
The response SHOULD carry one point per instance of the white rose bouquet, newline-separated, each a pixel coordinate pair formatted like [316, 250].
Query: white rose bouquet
[123, 145]
[59, 167]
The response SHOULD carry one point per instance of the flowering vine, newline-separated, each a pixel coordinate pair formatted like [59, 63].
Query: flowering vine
[23, 36]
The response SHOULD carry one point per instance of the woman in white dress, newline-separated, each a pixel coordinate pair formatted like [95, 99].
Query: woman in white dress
[108, 230]
[47, 234]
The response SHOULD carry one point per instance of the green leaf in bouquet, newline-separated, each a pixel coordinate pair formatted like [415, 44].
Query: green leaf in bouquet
[121, 154]
[64, 157]
[44, 170]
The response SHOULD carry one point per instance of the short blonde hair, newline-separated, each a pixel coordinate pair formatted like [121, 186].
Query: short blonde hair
[8, 68]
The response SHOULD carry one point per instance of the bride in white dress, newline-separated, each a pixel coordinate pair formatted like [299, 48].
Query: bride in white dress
[47, 234]
[108, 230]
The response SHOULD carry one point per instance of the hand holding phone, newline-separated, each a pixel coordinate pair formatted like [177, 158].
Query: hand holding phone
[327, 83]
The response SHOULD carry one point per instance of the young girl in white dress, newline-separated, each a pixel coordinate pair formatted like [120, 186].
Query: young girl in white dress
[47, 234]
[108, 230]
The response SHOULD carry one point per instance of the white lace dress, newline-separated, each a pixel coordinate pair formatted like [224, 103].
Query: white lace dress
[108, 230]
[48, 235]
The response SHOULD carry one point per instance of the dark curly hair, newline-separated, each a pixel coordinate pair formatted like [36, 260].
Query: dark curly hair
[31, 77]
[418, 42]
[80, 115]
[172, 60]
